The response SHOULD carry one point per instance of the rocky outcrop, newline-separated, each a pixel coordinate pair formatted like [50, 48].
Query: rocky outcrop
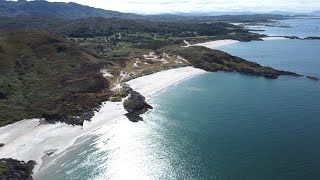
[135, 105]
[300, 38]
[312, 38]
[16, 170]
[313, 78]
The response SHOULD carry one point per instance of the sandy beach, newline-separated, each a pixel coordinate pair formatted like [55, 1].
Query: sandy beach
[218, 43]
[152, 84]
[31, 139]
[274, 38]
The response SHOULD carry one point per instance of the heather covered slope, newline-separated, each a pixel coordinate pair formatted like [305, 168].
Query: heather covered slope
[44, 75]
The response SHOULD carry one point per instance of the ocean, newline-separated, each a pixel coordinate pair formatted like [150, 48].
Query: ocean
[216, 126]
[300, 27]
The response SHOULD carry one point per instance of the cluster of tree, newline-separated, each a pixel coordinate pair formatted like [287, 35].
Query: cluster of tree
[107, 26]
[93, 27]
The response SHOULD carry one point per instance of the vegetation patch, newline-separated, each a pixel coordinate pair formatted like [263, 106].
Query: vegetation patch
[44, 75]
[2, 168]
[215, 60]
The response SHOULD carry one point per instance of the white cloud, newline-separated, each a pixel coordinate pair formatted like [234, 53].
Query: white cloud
[167, 6]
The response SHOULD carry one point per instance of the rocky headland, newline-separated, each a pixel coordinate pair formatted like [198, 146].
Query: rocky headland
[136, 105]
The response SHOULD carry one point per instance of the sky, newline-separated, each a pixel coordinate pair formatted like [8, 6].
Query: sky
[172, 6]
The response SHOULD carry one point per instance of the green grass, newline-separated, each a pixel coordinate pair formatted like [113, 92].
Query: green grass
[128, 103]
[2, 168]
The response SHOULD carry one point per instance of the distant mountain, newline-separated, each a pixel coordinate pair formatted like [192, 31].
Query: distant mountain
[316, 13]
[57, 9]
[60, 10]
[215, 13]
[283, 13]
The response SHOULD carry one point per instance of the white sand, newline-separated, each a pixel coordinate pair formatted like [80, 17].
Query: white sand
[274, 38]
[187, 44]
[152, 84]
[106, 73]
[29, 139]
[218, 43]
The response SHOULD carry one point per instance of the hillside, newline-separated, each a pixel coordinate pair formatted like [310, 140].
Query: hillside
[44, 75]
[42, 8]
[57, 9]
[107, 27]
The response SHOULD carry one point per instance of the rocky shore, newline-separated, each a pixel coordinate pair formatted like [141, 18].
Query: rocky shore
[313, 78]
[136, 105]
[215, 60]
[300, 38]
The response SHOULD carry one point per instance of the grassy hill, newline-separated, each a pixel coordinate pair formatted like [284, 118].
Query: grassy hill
[45, 75]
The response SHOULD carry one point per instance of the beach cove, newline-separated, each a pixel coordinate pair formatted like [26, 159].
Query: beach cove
[32, 139]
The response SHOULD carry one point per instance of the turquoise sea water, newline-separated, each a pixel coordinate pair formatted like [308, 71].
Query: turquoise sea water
[216, 126]
[213, 126]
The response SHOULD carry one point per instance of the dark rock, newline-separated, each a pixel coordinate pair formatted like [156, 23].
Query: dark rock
[1, 144]
[288, 73]
[312, 38]
[49, 153]
[292, 37]
[61, 48]
[17, 170]
[313, 78]
[3, 95]
[135, 105]
[75, 121]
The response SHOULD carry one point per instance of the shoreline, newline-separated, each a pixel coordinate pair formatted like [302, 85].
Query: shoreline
[148, 87]
[217, 43]
[33, 139]
[270, 38]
